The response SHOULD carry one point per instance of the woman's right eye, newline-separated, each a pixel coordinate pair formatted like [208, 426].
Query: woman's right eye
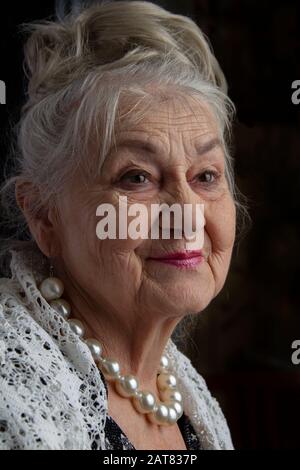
[136, 177]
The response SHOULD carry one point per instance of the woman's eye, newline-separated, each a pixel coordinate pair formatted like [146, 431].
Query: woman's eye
[208, 177]
[135, 178]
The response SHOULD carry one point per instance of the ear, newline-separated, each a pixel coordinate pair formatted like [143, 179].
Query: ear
[42, 223]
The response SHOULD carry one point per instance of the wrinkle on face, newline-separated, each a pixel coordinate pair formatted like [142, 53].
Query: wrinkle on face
[117, 274]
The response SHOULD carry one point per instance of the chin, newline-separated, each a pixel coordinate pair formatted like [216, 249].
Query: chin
[185, 300]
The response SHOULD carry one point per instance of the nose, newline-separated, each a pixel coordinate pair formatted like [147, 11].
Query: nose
[185, 207]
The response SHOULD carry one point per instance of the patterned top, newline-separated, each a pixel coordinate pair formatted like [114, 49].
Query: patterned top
[116, 439]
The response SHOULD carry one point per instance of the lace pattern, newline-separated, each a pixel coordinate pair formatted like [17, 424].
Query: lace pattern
[51, 392]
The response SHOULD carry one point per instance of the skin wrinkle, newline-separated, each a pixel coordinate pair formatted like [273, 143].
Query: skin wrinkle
[131, 304]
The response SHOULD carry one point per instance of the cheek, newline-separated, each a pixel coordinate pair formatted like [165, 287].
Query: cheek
[220, 229]
[221, 225]
[132, 223]
[80, 233]
[77, 231]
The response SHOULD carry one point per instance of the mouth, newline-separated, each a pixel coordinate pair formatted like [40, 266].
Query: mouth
[182, 259]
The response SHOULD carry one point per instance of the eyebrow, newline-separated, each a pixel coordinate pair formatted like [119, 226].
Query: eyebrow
[149, 147]
[208, 146]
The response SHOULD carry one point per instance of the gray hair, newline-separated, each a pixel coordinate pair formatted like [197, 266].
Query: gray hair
[82, 70]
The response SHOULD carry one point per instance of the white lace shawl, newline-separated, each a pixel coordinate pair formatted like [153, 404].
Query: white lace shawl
[51, 392]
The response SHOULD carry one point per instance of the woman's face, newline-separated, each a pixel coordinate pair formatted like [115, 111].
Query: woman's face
[185, 166]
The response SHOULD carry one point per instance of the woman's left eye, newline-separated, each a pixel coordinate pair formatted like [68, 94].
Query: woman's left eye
[208, 177]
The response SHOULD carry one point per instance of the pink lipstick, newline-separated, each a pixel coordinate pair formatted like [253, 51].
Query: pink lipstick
[182, 259]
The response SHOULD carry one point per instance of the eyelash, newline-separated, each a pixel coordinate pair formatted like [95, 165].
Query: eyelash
[133, 173]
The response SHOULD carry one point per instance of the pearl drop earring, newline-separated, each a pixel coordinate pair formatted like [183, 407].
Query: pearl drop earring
[52, 289]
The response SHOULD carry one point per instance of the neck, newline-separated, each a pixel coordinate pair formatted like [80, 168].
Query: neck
[135, 344]
[135, 339]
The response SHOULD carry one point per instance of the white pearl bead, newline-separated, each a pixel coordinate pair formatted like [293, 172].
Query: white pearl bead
[144, 401]
[170, 395]
[52, 288]
[178, 407]
[95, 347]
[127, 385]
[172, 415]
[164, 362]
[76, 326]
[166, 380]
[163, 365]
[111, 369]
[159, 415]
[62, 307]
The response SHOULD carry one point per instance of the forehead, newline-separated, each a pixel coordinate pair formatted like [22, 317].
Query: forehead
[177, 128]
[178, 114]
[174, 124]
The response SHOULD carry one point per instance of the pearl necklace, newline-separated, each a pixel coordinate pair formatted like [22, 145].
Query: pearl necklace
[165, 411]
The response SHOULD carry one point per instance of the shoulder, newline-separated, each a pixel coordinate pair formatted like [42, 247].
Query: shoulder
[18, 328]
[35, 381]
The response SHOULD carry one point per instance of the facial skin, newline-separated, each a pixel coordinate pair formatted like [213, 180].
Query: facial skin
[129, 303]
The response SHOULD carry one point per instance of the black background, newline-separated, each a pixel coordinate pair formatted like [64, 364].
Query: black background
[242, 342]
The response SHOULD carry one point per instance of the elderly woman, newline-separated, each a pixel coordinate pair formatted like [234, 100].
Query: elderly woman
[124, 99]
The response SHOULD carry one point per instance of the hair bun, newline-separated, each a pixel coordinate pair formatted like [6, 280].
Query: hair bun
[111, 34]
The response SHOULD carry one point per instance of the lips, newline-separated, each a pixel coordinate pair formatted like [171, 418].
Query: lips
[181, 259]
[179, 255]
